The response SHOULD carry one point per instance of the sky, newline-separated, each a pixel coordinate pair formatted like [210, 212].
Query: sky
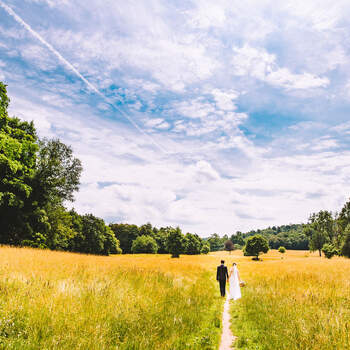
[216, 116]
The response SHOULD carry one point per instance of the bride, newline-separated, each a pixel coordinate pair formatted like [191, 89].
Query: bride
[234, 280]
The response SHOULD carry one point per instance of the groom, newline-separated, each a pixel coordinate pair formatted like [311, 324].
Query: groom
[221, 276]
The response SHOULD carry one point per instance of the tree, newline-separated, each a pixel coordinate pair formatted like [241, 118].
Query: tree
[282, 250]
[205, 248]
[329, 250]
[144, 244]
[216, 243]
[255, 246]
[316, 239]
[344, 216]
[57, 174]
[94, 237]
[175, 242]
[193, 244]
[161, 237]
[126, 234]
[17, 168]
[146, 230]
[323, 223]
[237, 238]
[345, 250]
[229, 246]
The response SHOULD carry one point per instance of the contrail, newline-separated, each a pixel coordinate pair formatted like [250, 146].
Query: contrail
[76, 72]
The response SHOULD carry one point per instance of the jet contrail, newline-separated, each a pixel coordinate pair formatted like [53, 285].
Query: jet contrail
[75, 71]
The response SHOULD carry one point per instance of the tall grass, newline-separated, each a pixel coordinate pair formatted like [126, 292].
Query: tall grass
[53, 300]
[299, 302]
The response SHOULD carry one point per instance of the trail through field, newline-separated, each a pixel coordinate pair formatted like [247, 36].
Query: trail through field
[227, 338]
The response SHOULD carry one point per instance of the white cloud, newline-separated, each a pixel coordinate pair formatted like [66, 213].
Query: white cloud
[261, 65]
[224, 100]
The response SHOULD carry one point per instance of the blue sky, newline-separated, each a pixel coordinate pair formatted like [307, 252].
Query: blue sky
[215, 116]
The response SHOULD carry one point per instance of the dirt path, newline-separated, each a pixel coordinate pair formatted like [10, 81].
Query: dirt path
[227, 338]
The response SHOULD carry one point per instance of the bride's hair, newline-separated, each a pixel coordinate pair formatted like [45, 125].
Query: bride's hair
[234, 264]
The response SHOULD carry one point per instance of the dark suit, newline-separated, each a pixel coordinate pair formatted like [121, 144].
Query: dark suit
[221, 276]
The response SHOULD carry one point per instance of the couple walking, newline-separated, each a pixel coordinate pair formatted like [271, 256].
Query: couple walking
[233, 278]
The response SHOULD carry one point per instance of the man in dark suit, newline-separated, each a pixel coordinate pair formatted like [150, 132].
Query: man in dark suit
[221, 276]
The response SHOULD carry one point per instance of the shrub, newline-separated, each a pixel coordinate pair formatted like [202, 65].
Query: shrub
[206, 248]
[329, 250]
[144, 244]
[282, 250]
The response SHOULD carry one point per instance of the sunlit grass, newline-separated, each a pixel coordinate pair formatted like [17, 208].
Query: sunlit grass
[298, 302]
[53, 300]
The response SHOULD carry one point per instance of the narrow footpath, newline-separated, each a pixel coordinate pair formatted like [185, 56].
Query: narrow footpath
[227, 338]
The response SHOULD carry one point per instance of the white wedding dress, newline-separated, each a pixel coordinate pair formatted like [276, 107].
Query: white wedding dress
[235, 288]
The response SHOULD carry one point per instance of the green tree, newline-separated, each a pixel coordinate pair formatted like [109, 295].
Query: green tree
[17, 168]
[126, 234]
[175, 242]
[282, 249]
[255, 246]
[316, 238]
[144, 244]
[345, 249]
[229, 246]
[161, 237]
[329, 250]
[238, 238]
[193, 244]
[344, 216]
[57, 174]
[205, 247]
[95, 237]
[216, 243]
[146, 230]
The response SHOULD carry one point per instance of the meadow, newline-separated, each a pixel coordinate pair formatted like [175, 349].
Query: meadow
[298, 302]
[56, 300]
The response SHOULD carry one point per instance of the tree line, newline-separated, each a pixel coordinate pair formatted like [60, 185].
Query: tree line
[148, 239]
[325, 232]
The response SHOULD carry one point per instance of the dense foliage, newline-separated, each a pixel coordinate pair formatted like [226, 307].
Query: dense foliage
[144, 244]
[168, 240]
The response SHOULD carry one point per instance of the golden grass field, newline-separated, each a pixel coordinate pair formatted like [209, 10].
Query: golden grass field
[56, 300]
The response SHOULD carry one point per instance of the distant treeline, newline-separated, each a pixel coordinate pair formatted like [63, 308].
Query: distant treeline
[325, 232]
[148, 239]
[289, 236]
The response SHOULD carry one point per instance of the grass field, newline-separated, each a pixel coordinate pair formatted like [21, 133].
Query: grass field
[54, 300]
[300, 302]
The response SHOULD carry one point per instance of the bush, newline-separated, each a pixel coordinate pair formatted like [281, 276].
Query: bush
[329, 250]
[282, 250]
[255, 246]
[206, 248]
[144, 244]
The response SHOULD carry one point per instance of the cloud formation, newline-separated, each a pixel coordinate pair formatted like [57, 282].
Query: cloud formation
[250, 100]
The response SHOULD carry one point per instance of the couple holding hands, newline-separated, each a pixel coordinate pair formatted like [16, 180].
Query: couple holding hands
[233, 278]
